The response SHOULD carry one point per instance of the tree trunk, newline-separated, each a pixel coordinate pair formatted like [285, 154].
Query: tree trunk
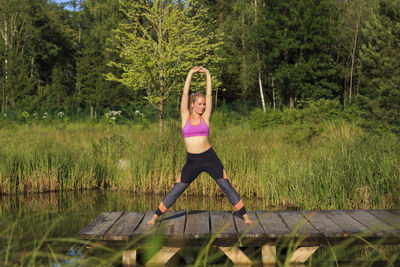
[160, 117]
[258, 61]
[291, 102]
[353, 55]
[161, 75]
[3, 104]
[221, 8]
[5, 37]
[261, 91]
[273, 91]
[91, 111]
[244, 63]
[32, 62]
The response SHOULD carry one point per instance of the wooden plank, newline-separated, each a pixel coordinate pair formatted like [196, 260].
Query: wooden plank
[143, 228]
[396, 212]
[272, 224]
[345, 221]
[222, 224]
[253, 230]
[323, 224]
[375, 226]
[173, 224]
[125, 226]
[162, 256]
[236, 256]
[388, 217]
[297, 223]
[197, 225]
[302, 254]
[100, 225]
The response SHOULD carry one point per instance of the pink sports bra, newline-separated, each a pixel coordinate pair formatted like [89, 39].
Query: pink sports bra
[195, 130]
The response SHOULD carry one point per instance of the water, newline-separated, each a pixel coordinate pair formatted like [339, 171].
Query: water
[39, 229]
[45, 222]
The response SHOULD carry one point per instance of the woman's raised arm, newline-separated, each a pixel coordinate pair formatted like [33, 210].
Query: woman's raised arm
[207, 112]
[185, 94]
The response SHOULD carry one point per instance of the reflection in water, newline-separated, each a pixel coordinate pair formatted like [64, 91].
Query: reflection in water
[28, 219]
[34, 217]
[115, 201]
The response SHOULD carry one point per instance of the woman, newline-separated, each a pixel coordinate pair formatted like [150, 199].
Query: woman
[200, 156]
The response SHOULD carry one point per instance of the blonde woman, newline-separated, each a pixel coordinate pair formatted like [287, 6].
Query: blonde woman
[200, 155]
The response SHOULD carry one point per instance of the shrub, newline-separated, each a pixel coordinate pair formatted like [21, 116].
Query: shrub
[260, 119]
[219, 119]
[320, 110]
[300, 133]
[257, 119]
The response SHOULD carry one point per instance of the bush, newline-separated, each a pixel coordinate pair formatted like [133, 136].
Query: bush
[299, 133]
[320, 110]
[219, 119]
[257, 119]
[291, 115]
[260, 119]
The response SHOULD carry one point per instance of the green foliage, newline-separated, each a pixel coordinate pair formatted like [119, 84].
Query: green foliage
[301, 133]
[307, 111]
[380, 59]
[25, 116]
[259, 119]
[158, 43]
[320, 110]
[52, 58]
[219, 119]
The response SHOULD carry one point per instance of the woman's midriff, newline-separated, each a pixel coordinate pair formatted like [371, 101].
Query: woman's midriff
[197, 144]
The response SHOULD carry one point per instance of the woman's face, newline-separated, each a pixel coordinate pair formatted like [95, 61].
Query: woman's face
[199, 105]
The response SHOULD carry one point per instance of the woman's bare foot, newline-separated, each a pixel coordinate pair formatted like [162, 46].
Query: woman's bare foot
[153, 220]
[247, 219]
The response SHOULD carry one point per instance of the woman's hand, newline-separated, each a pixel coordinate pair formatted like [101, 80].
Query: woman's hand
[195, 69]
[203, 70]
[199, 69]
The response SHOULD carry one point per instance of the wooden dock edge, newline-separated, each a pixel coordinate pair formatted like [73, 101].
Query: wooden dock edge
[235, 254]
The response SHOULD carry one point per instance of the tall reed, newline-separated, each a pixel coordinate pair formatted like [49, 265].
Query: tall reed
[340, 167]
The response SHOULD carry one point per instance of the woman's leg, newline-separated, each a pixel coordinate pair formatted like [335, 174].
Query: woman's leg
[216, 169]
[187, 175]
[233, 197]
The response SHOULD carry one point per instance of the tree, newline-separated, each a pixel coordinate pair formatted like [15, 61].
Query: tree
[100, 17]
[15, 24]
[380, 65]
[302, 41]
[239, 50]
[158, 44]
[348, 39]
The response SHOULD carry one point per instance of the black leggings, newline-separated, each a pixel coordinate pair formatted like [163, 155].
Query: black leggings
[209, 162]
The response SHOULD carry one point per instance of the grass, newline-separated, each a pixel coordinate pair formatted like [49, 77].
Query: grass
[339, 167]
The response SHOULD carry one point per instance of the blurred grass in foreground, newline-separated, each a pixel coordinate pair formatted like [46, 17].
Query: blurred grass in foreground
[48, 236]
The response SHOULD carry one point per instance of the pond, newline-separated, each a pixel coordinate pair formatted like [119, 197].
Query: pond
[35, 225]
[41, 229]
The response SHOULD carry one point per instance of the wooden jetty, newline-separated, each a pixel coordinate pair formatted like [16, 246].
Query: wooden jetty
[228, 232]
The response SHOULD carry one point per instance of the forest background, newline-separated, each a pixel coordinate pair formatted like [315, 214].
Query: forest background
[281, 54]
[306, 111]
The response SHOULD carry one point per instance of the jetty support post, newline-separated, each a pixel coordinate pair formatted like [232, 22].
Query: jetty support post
[129, 258]
[268, 254]
[236, 256]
